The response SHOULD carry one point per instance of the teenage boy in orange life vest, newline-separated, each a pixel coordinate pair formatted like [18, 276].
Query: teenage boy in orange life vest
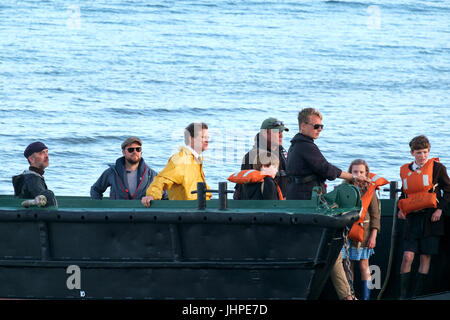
[425, 193]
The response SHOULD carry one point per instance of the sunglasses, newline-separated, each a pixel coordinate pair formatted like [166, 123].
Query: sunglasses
[131, 150]
[277, 123]
[316, 126]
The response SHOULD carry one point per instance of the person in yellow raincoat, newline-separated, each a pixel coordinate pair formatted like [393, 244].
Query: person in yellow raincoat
[184, 168]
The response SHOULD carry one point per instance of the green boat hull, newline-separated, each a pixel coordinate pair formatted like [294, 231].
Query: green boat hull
[118, 249]
[105, 249]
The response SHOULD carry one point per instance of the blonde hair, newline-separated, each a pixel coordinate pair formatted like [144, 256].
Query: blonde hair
[305, 114]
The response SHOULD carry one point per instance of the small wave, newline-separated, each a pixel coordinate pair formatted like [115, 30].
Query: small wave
[74, 140]
[439, 69]
[214, 35]
[156, 6]
[67, 154]
[133, 110]
[205, 4]
[56, 90]
[213, 111]
[110, 22]
[128, 11]
[154, 81]
[25, 112]
[102, 137]
[398, 47]
[347, 3]
[49, 73]
[223, 111]
[114, 91]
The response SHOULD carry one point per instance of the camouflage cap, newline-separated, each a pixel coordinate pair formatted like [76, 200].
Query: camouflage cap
[131, 140]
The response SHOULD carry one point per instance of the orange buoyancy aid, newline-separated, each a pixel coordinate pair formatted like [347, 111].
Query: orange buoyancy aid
[357, 231]
[252, 176]
[418, 187]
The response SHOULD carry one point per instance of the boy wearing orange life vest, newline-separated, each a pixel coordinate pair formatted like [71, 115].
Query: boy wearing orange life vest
[425, 193]
[258, 183]
[363, 234]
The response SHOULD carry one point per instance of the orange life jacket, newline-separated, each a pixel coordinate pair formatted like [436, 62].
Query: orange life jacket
[252, 176]
[357, 231]
[418, 187]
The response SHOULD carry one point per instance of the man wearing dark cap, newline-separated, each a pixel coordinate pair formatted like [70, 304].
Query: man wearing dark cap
[31, 183]
[270, 138]
[128, 178]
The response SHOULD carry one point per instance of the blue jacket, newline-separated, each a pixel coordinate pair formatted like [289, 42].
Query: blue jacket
[114, 177]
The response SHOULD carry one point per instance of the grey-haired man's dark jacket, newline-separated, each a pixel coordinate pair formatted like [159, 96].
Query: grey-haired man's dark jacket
[115, 178]
[30, 184]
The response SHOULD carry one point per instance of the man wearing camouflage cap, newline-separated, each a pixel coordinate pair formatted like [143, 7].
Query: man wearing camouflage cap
[270, 138]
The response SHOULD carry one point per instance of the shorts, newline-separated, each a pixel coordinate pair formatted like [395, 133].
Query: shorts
[414, 239]
[429, 245]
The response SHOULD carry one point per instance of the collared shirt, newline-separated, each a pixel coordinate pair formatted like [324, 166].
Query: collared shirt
[415, 166]
[196, 155]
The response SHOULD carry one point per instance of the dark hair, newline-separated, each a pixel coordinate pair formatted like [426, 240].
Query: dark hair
[262, 158]
[419, 142]
[192, 130]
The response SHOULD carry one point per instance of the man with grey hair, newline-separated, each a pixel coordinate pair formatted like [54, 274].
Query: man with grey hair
[31, 183]
[129, 177]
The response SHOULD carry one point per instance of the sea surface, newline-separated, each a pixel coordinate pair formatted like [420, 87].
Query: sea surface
[82, 76]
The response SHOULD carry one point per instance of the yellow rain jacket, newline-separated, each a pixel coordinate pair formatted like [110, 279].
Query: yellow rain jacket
[179, 177]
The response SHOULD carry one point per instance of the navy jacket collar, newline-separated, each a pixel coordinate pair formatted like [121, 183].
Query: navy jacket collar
[301, 137]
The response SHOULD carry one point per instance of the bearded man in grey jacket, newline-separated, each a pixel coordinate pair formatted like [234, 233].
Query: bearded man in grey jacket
[129, 177]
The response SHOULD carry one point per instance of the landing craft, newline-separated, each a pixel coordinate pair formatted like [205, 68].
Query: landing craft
[216, 249]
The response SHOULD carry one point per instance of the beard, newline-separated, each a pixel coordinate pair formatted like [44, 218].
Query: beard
[132, 160]
[43, 165]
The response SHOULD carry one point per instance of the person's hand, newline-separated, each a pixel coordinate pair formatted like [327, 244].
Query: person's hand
[361, 178]
[436, 215]
[146, 201]
[39, 201]
[372, 240]
[401, 215]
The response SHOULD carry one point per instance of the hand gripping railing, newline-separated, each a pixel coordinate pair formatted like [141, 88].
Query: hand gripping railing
[201, 195]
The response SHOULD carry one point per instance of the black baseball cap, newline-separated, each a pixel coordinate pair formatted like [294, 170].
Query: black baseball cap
[34, 147]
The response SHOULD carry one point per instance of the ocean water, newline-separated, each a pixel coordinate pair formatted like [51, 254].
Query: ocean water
[82, 76]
